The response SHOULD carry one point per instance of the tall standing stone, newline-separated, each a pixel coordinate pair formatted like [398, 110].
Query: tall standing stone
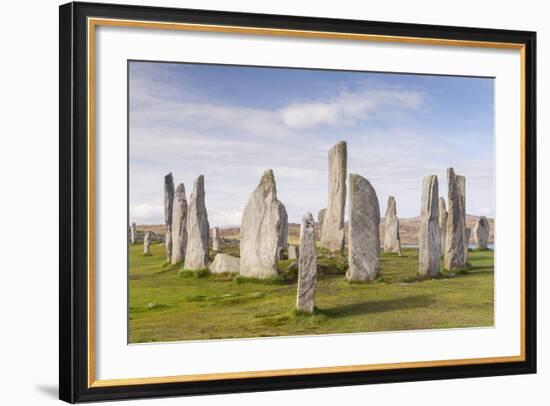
[333, 222]
[147, 243]
[196, 256]
[168, 202]
[429, 239]
[467, 233]
[481, 233]
[179, 225]
[392, 242]
[261, 229]
[320, 219]
[307, 266]
[283, 230]
[133, 233]
[442, 223]
[216, 240]
[364, 233]
[454, 243]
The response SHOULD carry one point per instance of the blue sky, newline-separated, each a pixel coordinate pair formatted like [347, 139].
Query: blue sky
[230, 123]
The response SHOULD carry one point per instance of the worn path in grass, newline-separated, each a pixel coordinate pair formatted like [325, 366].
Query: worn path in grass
[165, 306]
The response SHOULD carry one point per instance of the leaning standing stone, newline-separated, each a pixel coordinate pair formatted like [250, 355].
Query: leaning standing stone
[454, 243]
[333, 222]
[429, 240]
[392, 242]
[196, 256]
[168, 202]
[179, 225]
[216, 240]
[364, 233]
[147, 243]
[320, 219]
[293, 252]
[442, 223]
[307, 266]
[261, 230]
[467, 233]
[481, 233]
[133, 233]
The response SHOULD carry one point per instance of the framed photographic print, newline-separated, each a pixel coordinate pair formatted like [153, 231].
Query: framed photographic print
[258, 202]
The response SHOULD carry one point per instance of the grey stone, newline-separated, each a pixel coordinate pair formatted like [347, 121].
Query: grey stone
[467, 233]
[196, 256]
[320, 219]
[429, 238]
[179, 225]
[456, 221]
[168, 202]
[147, 243]
[225, 263]
[293, 252]
[442, 223]
[216, 239]
[307, 266]
[364, 233]
[332, 237]
[283, 231]
[481, 233]
[261, 229]
[133, 233]
[392, 242]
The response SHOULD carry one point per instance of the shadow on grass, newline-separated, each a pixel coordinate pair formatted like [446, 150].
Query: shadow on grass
[378, 306]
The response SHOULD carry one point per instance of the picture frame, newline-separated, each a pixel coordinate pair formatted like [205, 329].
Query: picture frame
[78, 159]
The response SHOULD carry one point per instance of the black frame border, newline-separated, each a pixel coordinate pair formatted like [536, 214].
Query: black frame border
[73, 202]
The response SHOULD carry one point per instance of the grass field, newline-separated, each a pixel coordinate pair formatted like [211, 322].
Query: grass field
[167, 306]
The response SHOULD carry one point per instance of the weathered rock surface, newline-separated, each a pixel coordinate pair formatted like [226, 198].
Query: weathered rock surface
[332, 237]
[196, 256]
[320, 219]
[216, 239]
[467, 233]
[481, 233]
[456, 217]
[364, 235]
[146, 244]
[392, 242]
[133, 233]
[293, 252]
[442, 223]
[225, 263]
[168, 202]
[261, 230]
[429, 239]
[307, 266]
[179, 225]
[283, 230]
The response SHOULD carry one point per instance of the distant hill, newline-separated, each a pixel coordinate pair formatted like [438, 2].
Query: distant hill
[408, 229]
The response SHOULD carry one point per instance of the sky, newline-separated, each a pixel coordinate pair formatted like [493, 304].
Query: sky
[231, 123]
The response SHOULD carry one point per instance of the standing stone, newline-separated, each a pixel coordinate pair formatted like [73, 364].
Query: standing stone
[481, 233]
[224, 263]
[320, 219]
[179, 225]
[333, 222]
[283, 231]
[442, 223]
[196, 256]
[364, 233]
[147, 243]
[168, 202]
[307, 266]
[216, 240]
[133, 233]
[454, 243]
[467, 233]
[293, 252]
[429, 239]
[261, 229]
[392, 242]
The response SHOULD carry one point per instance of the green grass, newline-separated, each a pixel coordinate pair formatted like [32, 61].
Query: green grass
[168, 304]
